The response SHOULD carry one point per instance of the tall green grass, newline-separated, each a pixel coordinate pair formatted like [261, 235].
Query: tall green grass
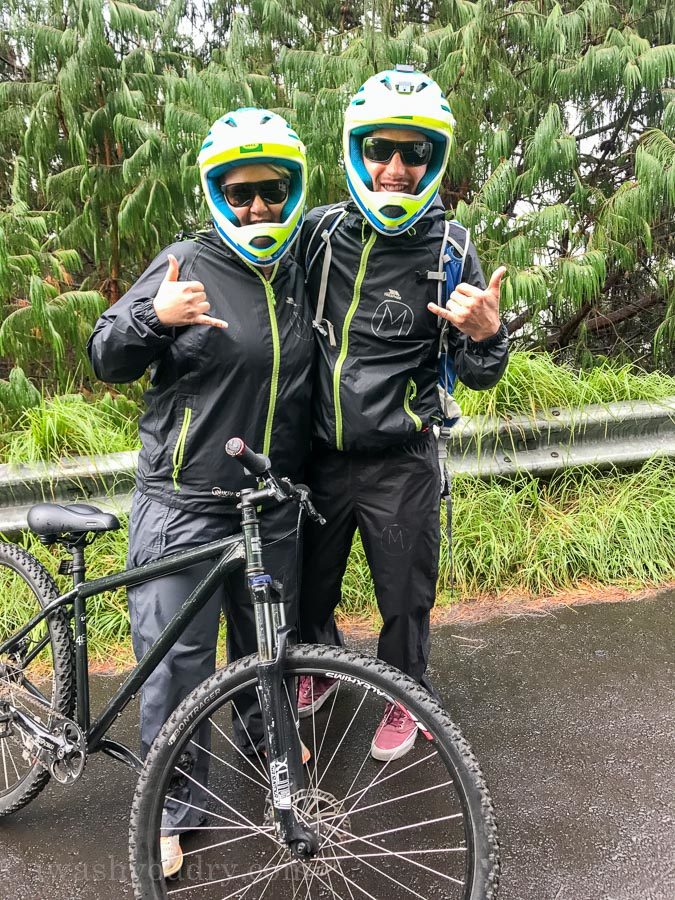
[68, 425]
[525, 536]
[530, 537]
[534, 382]
[536, 538]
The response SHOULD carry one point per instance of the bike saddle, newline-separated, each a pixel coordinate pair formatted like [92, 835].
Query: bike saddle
[76, 518]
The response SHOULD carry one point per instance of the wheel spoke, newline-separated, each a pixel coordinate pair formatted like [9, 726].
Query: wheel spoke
[377, 782]
[235, 840]
[11, 759]
[270, 878]
[434, 787]
[352, 882]
[229, 765]
[242, 891]
[342, 874]
[396, 854]
[330, 885]
[361, 858]
[261, 872]
[405, 827]
[209, 812]
[373, 781]
[240, 751]
[220, 800]
[325, 730]
[342, 739]
[4, 762]
[250, 739]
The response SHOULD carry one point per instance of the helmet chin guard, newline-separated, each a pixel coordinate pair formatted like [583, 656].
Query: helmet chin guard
[396, 98]
[251, 136]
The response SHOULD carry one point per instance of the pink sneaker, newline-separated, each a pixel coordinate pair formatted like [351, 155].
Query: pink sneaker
[313, 692]
[395, 734]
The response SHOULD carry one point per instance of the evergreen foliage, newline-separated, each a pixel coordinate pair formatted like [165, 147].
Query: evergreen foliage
[563, 165]
[17, 394]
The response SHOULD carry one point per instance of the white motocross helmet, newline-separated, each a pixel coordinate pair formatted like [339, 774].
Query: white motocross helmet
[243, 137]
[397, 98]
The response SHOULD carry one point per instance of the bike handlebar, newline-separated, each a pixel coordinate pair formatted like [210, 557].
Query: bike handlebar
[256, 463]
[259, 465]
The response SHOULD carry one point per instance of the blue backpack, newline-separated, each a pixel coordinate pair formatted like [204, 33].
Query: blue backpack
[448, 275]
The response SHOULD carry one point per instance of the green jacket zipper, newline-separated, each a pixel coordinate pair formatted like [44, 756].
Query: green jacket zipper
[179, 449]
[344, 345]
[410, 394]
[276, 362]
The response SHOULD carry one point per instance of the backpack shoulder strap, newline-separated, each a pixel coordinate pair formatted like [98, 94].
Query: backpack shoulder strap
[338, 211]
[453, 255]
[450, 268]
[450, 261]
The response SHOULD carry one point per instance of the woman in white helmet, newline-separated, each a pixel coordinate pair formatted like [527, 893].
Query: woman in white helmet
[220, 320]
[375, 297]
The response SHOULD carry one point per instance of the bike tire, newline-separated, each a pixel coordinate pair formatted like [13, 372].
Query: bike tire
[482, 864]
[27, 579]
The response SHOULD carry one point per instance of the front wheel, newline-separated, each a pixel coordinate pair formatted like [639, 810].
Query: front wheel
[419, 826]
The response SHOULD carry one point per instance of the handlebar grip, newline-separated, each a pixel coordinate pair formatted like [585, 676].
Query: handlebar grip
[256, 463]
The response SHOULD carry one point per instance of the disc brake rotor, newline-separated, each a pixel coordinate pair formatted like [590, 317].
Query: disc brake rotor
[317, 809]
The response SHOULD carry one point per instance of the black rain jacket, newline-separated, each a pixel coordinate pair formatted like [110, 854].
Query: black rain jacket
[377, 387]
[251, 380]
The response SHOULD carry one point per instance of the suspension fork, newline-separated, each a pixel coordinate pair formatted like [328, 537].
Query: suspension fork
[282, 742]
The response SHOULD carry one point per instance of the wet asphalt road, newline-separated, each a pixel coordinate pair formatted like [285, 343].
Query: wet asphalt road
[571, 714]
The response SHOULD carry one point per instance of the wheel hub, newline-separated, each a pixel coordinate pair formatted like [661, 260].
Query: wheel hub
[323, 811]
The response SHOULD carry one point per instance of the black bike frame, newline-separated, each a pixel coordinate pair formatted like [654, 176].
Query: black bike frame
[232, 554]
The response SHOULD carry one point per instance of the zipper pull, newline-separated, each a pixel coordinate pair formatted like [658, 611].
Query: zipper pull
[327, 331]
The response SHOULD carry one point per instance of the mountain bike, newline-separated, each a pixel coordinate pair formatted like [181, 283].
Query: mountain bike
[342, 825]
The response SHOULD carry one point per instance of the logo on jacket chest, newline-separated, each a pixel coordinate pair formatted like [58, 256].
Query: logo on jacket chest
[393, 318]
[300, 320]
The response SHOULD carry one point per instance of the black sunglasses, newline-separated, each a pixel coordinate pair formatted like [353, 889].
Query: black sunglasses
[242, 193]
[413, 153]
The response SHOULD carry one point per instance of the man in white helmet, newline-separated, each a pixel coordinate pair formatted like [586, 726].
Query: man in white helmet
[376, 271]
[221, 322]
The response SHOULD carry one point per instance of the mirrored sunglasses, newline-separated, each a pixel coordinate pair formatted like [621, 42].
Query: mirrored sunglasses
[242, 193]
[413, 153]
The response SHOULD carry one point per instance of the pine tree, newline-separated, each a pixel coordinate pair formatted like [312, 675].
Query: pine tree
[563, 165]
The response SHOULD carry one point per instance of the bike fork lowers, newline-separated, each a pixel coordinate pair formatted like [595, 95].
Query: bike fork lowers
[278, 715]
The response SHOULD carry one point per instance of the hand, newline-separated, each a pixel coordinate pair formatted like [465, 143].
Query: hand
[472, 311]
[182, 302]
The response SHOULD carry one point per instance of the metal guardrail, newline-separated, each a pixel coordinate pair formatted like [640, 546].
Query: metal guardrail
[616, 435]
[104, 481]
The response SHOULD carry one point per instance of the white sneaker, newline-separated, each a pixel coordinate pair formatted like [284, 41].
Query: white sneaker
[172, 855]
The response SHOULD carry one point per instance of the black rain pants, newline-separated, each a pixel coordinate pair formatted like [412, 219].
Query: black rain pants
[394, 500]
[156, 530]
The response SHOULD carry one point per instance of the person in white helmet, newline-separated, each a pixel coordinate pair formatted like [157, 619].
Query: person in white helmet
[220, 320]
[395, 288]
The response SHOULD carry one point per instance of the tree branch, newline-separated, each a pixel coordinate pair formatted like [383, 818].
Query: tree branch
[518, 321]
[599, 322]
